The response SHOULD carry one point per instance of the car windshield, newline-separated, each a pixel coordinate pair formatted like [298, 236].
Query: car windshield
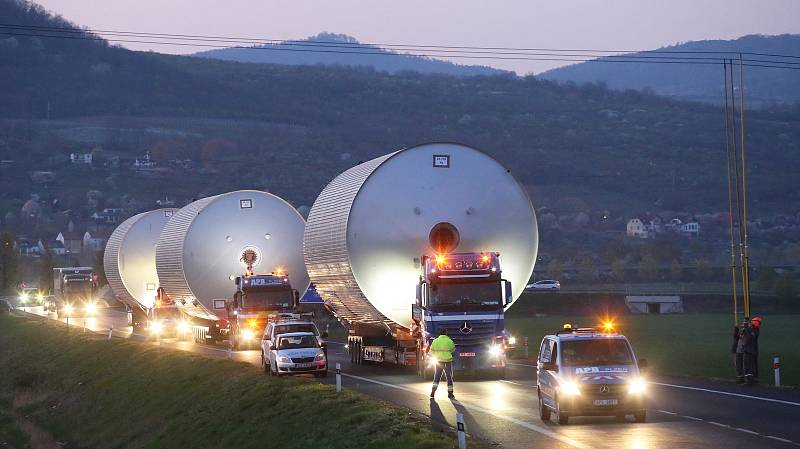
[605, 351]
[276, 300]
[299, 327]
[298, 342]
[452, 295]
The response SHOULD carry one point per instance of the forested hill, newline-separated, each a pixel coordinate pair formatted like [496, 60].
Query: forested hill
[763, 85]
[291, 129]
[354, 54]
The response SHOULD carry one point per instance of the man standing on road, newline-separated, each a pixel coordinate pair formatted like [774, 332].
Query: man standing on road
[442, 347]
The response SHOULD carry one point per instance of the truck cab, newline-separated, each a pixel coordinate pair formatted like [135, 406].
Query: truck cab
[588, 371]
[166, 318]
[465, 294]
[257, 298]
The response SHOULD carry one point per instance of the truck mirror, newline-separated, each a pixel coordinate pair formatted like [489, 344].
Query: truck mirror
[419, 294]
[507, 289]
[238, 281]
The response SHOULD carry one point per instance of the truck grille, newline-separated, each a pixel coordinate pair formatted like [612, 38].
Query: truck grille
[302, 359]
[481, 332]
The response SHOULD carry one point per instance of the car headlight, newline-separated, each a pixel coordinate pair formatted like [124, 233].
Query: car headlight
[285, 359]
[569, 388]
[512, 340]
[23, 298]
[637, 386]
[495, 350]
[320, 357]
[68, 309]
[183, 326]
[155, 327]
[247, 334]
[91, 308]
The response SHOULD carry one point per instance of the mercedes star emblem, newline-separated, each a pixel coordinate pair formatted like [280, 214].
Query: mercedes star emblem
[465, 328]
[604, 389]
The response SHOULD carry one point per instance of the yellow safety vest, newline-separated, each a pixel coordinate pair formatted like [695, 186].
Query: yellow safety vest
[442, 348]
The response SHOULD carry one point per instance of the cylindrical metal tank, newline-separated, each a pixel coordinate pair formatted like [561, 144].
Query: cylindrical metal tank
[371, 225]
[201, 248]
[130, 257]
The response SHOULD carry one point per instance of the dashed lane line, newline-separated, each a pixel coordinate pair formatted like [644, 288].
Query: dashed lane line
[726, 393]
[726, 426]
[519, 422]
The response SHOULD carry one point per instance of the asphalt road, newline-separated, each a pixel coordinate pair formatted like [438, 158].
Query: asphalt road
[682, 413]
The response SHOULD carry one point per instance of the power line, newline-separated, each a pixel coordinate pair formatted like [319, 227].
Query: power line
[352, 49]
[267, 41]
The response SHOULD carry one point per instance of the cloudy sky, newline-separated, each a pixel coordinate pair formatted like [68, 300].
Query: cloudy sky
[595, 24]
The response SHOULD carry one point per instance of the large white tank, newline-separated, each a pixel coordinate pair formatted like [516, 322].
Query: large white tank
[201, 248]
[130, 257]
[369, 227]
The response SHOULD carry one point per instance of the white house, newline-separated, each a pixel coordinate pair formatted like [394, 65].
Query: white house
[637, 229]
[81, 158]
[94, 240]
[692, 228]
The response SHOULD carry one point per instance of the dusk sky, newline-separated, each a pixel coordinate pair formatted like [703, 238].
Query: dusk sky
[617, 24]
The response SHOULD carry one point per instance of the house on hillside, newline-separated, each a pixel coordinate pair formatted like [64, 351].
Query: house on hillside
[71, 239]
[109, 215]
[691, 229]
[145, 163]
[95, 240]
[28, 249]
[55, 247]
[636, 228]
[81, 158]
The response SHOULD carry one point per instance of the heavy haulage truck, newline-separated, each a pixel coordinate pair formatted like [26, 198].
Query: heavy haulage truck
[259, 298]
[210, 243]
[434, 236]
[74, 291]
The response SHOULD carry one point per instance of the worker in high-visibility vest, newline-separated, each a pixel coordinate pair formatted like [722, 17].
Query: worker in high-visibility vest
[442, 348]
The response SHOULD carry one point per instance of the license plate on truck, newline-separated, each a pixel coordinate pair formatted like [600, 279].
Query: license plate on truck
[606, 402]
[466, 354]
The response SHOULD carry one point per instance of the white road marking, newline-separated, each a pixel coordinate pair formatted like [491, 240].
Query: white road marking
[516, 383]
[726, 426]
[714, 423]
[747, 431]
[668, 413]
[527, 425]
[521, 364]
[784, 440]
[691, 417]
[739, 395]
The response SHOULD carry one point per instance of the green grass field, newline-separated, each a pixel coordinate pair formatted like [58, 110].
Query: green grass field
[685, 345]
[92, 393]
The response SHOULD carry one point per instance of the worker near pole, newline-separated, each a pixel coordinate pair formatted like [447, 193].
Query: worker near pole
[442, 348]
[738, 357]
[747, 349]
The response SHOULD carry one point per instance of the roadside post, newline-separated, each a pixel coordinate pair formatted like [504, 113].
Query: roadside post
[462, 436]
[230, 350]
[776, 365]
[525, 344]
[338, 377]
[84, 325]
[110, 331]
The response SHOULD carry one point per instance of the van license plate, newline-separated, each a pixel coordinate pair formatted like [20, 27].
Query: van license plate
[466, 354]
[605, 402]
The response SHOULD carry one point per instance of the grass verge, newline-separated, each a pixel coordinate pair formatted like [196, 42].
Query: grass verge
[92, 393]
[685, 345]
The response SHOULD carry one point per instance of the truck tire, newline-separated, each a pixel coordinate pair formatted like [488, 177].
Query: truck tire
[544, 412]
[563, 418]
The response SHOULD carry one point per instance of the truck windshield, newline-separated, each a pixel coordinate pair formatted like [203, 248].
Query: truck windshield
[166, 313]
[605, 351]
[298, 342]
[291, 328]
[452, 295]
[272, 300]
[78, 287]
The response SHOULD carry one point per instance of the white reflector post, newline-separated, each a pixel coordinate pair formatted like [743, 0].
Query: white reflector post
[338, 377]
[462, 435]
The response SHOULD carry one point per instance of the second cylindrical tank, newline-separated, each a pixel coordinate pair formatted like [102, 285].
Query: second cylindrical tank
[202, 247]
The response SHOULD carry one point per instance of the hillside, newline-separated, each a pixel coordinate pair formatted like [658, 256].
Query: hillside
[216, 125]
[379, 59]
[704, 83]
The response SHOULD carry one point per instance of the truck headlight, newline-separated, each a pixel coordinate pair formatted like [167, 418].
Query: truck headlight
[512, 340]
[247, 334]
[184, 327]
[495, 350]
[569, 388]
[23, 298]
[637, 386]
[68, 309]
[91, 309]
[285, 359]
[155, 327]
